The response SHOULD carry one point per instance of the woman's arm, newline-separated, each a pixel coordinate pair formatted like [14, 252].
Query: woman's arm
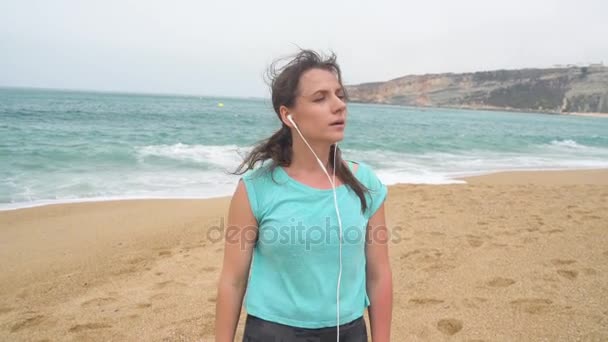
[379, 277]
[240, 236]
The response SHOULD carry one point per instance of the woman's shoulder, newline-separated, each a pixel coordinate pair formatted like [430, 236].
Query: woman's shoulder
[364, 172]
[359, 167]
[260, 171]
[265, 177]
[377, 189]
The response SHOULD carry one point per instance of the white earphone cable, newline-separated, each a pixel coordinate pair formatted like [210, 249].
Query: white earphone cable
[333, 186]
[340, 246]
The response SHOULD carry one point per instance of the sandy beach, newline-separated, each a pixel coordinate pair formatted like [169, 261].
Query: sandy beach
[519, 256]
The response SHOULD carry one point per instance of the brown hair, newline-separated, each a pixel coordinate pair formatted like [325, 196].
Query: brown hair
[284, 83]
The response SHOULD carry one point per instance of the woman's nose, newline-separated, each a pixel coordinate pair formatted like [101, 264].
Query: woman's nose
[339, 104]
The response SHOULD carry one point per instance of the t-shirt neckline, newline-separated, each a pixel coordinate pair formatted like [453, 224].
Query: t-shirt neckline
[313, 189]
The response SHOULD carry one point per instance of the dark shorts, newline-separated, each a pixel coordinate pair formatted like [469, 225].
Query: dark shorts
[259, 330]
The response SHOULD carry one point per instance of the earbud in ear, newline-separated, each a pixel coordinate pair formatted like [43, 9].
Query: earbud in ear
[290, 118]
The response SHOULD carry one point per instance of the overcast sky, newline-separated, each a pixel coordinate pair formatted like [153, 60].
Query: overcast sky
[223, 47]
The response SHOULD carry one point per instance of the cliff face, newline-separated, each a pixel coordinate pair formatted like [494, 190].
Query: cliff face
[557, 90]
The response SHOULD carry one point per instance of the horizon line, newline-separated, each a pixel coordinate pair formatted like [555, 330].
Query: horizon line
[144, 93]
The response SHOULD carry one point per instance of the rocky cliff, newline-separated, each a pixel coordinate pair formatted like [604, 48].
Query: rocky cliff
[555, 90]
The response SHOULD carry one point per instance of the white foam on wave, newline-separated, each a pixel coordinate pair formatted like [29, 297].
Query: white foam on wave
[179, 182]
[568, 143]
[150, 181]
[43, 202]
[226, 156]
[569, 149]
[444, 168]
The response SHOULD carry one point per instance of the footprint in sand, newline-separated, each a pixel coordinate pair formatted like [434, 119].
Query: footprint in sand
[164, 253]
[136, 260]
[164, 284]
[160, 296]
[429, 257]
[500, 282]
[408, 254]
[552, 231]
[88, 326]
[583, 212]
[473, 302]
[126, 270]
[449, 326]
[209, 269]
[559, 262]
[475, 242]
[589, 271]
[438, 267]
[27, 323]
[568, 274]
[143, 305]
[198, 318]
[5, 310]
[532, 305]
[163, 310]
[508, 232]
[212, 299]
[98, 301]
[425, 301]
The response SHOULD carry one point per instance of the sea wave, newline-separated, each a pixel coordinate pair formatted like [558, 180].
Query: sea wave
[224, 156]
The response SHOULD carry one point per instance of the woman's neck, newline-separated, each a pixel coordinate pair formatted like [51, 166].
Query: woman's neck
[303, 160]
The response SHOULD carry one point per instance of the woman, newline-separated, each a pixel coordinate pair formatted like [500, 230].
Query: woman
[293, 243]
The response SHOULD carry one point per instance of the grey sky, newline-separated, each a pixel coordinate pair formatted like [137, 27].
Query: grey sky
[223, 47]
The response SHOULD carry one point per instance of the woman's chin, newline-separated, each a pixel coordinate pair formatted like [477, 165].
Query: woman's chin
[333, 138]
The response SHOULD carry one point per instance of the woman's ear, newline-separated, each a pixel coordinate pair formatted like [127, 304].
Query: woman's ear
[283, 113]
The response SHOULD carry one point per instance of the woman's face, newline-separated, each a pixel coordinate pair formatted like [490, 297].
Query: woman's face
[320, 108]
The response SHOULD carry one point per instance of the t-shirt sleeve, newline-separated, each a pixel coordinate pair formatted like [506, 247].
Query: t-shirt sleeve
[248, 180]
[377, 191]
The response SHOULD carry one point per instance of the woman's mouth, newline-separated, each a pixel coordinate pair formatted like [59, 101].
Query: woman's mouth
[337, 124]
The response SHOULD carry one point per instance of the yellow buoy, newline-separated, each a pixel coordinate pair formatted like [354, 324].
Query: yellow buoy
[220, 104]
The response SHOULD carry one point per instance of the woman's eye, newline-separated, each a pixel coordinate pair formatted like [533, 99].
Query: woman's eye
[319, 99]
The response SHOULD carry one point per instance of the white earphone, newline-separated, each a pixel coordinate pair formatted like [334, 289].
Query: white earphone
[333, 186]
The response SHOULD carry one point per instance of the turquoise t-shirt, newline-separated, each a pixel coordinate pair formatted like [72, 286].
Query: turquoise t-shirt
[294, 271]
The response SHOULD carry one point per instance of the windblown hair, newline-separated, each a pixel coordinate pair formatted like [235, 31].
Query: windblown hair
[284, 85]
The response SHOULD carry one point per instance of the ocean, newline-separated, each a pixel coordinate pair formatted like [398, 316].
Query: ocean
[72, 146]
